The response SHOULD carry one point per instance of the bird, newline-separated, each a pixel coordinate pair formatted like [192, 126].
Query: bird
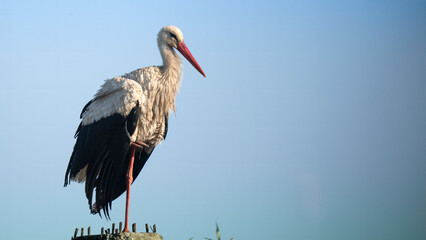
[123, 123]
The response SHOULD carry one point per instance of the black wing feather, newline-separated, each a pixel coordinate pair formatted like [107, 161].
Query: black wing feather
[85, 108]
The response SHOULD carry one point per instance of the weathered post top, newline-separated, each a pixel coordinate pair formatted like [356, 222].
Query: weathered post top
[117, 234]
[122, 236]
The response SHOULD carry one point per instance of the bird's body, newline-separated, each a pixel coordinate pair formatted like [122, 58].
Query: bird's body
[146, 87]
[126, 119]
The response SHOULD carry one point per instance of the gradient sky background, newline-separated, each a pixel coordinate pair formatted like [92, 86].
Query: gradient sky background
[311, 123]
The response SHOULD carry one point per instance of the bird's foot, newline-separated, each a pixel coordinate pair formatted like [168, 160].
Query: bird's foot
[139, 144]
[94, 209]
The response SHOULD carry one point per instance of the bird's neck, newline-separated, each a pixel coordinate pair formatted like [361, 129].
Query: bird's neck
[172, 63]
[171, 77]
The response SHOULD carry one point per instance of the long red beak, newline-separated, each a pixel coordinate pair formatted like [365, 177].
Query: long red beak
[181, 47]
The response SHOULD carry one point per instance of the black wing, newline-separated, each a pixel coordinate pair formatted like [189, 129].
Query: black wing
[103, 147]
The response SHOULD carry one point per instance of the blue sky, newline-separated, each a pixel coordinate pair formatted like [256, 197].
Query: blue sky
[309, 125]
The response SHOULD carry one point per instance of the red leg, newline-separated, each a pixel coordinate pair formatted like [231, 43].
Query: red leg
[129, 182]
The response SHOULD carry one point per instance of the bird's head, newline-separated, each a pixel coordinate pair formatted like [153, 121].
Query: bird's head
[173, 37]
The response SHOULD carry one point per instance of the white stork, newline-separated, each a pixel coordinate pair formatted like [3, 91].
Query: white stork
[125, 120]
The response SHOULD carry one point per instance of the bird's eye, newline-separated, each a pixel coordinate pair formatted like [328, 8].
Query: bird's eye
[173, 36]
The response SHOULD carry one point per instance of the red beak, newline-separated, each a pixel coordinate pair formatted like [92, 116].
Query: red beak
[181, 47]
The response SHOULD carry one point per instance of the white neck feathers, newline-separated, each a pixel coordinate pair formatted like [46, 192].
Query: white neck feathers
[169, 83]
